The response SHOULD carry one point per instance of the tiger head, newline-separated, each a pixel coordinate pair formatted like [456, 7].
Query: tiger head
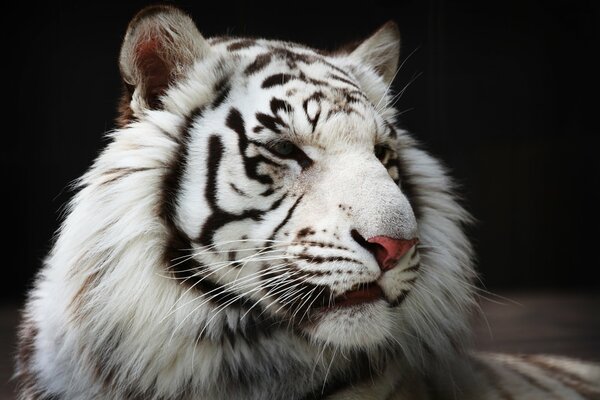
[282, 191]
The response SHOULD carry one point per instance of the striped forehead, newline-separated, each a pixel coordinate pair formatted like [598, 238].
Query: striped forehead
[285, 88]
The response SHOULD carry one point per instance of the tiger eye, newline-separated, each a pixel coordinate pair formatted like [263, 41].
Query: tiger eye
[380, 151]
[284, 148]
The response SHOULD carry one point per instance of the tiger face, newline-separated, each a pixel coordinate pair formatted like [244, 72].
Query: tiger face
[287, 168]
[285, 197]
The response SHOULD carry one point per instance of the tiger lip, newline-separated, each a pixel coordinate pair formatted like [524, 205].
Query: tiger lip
[365, 293]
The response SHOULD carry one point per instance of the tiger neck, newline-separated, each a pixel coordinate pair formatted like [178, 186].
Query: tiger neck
[295, 367]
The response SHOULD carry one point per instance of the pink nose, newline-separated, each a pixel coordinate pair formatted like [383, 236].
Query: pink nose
[388, 251]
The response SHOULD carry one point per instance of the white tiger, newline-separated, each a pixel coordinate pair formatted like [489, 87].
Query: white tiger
[259, 228]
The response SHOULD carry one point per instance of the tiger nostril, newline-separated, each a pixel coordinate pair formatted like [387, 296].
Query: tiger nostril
[370, 247]
[390, 250]
[386, 250]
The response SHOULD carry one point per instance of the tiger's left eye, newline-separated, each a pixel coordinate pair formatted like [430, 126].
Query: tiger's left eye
[283, 148]
[380, 151]
[287, 149]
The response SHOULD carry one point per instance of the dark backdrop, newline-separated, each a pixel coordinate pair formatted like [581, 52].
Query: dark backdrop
[503, 91]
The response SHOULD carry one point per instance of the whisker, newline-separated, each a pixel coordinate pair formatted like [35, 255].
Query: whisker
[269, 294]
[310, 305]
[229, 286]
[214, 271]
[394, 77]
[276, 291]
[328, 369]
[306, 297]
[188, 257]
[398, 96]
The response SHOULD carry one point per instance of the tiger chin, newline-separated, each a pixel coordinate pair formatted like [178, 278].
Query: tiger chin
[259, 227]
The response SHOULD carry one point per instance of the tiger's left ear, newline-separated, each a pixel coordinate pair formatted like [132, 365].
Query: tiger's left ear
[160, 44]
[381, 51]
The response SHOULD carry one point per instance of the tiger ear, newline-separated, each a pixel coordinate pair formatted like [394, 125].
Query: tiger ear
[381, 51]
[160, 44]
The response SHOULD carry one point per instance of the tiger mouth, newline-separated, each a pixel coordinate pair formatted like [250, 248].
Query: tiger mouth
[363, 293]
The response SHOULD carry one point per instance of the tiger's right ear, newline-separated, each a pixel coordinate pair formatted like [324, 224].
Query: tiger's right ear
[160, 44]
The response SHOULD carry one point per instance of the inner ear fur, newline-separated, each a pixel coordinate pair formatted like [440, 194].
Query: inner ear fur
[161, 42]
[380, 51]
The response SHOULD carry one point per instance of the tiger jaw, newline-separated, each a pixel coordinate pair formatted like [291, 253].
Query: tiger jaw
[364, 299]
[366, 313]
[392, 286]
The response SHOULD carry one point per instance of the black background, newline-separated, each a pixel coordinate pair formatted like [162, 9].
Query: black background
[504, 92]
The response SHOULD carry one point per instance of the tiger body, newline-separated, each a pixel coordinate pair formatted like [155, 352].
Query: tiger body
[220, 246]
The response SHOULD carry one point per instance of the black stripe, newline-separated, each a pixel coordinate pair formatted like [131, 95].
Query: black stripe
[241, 44]
[292, 58]
[344, 80]
[317, 82]
[267, 192]
[278, 105]
[322, 245]
[259, 63]
[238, 190]
[400, 298]
[413, 268]
[215, 153]
[317, 96]
[356, 93]
[236, 123]
[286, 219]
[351, 97]
[176, 240]
[321, 259]
[410, 281]
[219, 217]
[274, 123]
[222, 88]
[277, 80]
[311, 273]
[336, 68]
[172, 180]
